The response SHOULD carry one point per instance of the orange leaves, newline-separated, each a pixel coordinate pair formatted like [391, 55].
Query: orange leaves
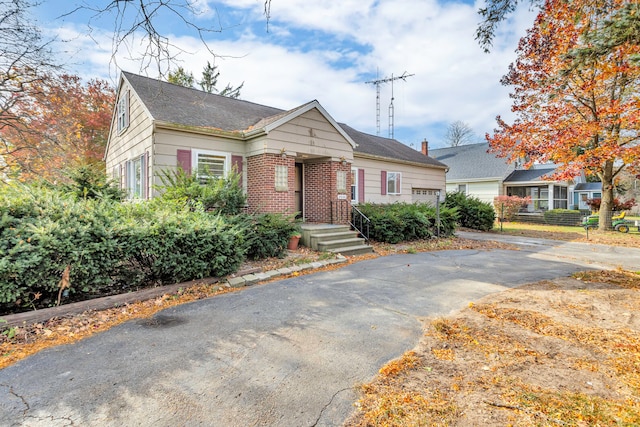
[59, 122]
[578, 111]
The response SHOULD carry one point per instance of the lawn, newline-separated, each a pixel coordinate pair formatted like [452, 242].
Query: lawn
[578, 234]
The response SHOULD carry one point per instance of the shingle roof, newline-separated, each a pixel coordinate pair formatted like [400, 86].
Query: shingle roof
[471, 161]
[184, 106]
[191, 107]
[525, 175]
[388, 148]
[588, 186]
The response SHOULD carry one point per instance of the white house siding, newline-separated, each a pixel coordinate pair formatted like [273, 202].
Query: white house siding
[306, 136]
[486, 191]
[412, 177]
[134, 141]
[168, 142]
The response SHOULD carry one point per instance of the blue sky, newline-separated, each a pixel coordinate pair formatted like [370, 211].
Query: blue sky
[325, 50]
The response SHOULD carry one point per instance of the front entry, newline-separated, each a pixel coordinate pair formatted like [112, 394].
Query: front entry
[299, 194]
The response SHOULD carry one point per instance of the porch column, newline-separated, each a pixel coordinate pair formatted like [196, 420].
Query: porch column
[550, 196]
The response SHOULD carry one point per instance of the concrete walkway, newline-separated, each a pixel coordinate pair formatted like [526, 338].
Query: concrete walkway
[288, 353]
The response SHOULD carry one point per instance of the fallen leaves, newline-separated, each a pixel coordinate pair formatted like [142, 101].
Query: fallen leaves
[521, 357]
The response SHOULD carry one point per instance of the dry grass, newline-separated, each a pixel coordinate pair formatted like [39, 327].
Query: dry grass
[562, 352]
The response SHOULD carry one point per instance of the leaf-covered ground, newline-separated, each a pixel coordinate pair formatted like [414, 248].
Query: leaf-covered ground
[561, 352]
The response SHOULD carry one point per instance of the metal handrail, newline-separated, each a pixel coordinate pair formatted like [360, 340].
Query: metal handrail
[360, 222]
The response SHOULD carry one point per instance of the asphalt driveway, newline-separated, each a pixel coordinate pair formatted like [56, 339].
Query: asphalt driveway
[288, 353]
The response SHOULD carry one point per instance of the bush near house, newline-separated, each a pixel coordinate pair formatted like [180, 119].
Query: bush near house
[108, 247]
[266, 235]
[507, 207]
[472, 212]
[397, 222]
[618, 206]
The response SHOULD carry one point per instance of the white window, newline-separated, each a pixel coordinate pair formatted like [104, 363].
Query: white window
[341, 177]
[354, 185]
[282, 178]
[462, 188]
[210, 164]
[135, 178]
[393, 182]
[123, 112]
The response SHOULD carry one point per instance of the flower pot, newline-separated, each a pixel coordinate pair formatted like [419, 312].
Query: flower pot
[293, 243]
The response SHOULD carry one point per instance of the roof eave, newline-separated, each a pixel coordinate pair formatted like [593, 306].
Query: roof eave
[239, 135]
[391, 159]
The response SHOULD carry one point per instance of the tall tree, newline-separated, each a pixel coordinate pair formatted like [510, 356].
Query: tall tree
[25, 57]
[459, 133]
[581, 112]
[181, 77]
[624, 28]
[208, 83]
[63, 123]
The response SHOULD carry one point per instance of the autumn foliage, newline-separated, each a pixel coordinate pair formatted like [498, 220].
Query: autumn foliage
[575, 105]
[56, 123]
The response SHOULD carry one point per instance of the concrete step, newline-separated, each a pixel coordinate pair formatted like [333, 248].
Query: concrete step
[315, 239]
[353, 250]
[332, 244]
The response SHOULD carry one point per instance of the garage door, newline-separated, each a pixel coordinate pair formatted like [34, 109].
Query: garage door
[424, 195]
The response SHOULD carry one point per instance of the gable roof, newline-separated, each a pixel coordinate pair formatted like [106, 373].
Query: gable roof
[472, 162]
[180, 106]
[387, 148]
[588, 186]
[170, 103]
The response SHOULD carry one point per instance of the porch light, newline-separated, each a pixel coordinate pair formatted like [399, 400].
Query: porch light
[283, 153]
[343, 161]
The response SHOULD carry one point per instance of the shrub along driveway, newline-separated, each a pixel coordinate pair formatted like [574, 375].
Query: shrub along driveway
[286, 353]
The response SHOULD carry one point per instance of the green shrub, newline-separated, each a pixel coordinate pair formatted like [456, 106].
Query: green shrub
[222, 195]
[472, 212]
[399, 222]
[90, 182]
[266, 235]
[110, 247]
[563, 217]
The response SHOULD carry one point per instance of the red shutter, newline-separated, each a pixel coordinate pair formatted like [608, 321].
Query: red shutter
[361, 185]
[236, 165]
[184, 160]
[383, 183]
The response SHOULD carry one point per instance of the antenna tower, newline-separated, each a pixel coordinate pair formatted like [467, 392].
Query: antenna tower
[378, 82]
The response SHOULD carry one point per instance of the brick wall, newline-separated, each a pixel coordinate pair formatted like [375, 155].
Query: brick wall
[321, 202]
[320, 181]
[261, 189]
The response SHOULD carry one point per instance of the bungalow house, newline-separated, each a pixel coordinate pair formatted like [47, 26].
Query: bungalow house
[296, 161]
[473, 170]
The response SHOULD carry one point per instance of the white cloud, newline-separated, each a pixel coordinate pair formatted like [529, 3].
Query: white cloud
[454, 79]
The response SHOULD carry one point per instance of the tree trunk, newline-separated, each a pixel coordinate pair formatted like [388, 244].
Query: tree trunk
[606, 201]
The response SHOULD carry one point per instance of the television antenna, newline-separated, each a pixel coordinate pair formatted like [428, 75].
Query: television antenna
[379, 82]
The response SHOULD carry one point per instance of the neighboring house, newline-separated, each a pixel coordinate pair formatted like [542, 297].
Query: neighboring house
[475, 171]
[299, 160]
[584, 191]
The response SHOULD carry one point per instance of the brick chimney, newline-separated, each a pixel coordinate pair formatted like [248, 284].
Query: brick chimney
[425, 147]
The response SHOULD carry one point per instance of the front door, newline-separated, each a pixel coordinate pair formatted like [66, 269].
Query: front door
[299, 195]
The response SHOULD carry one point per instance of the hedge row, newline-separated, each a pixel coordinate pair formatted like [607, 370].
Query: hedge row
[472, 212]
[112, 247]
[407, 221]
